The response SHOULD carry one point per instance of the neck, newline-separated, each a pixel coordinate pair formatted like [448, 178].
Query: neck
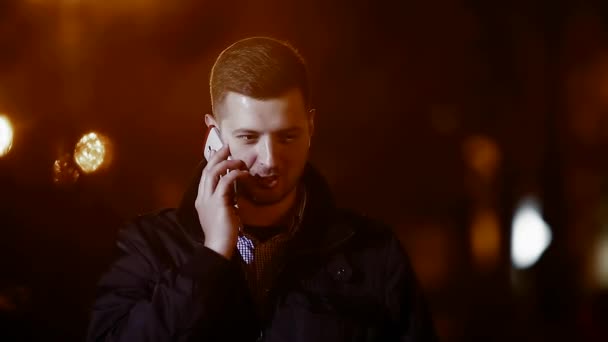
[267, 215]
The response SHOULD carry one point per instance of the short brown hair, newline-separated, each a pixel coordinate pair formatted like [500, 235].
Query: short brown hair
[258, 67]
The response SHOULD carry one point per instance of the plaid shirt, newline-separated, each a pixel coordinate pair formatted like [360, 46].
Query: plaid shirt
[263, 258]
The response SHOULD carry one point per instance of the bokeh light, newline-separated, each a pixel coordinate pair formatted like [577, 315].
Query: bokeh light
[6, 135]
[91, 152]
[530, 236]
[482, 155]
[64, 170]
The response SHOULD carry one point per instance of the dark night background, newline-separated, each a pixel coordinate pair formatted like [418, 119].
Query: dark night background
[436, 116]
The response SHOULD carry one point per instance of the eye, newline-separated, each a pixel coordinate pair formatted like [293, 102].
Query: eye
[246, 137]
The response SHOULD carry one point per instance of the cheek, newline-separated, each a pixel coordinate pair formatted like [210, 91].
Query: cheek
[243, 153]
[289, 156]
[249, 159]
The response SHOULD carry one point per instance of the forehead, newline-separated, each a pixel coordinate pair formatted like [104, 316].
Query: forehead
[241, 111]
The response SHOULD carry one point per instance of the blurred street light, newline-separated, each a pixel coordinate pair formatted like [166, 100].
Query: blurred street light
[530, 234]
[6, 135]
[91, 152]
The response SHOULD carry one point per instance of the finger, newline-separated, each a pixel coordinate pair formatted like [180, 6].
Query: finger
[219, 170]
[225, 187]
[215, 158]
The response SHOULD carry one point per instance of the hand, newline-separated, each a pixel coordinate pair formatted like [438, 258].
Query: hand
[214, 202]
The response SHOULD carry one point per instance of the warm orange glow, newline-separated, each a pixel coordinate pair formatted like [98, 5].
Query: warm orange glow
[482, 155]
[91, 152]
[6, 135]
[430, 248]
[485, 238]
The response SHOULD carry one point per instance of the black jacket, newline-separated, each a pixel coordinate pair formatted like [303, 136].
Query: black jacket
[346, 278]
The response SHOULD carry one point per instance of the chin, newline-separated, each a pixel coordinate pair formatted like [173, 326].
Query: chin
[265, 197]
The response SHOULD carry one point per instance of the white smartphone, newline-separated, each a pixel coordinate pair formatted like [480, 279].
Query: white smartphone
[213, 142]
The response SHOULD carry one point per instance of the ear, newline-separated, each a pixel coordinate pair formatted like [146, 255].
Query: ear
[311, 121]
[210, 120]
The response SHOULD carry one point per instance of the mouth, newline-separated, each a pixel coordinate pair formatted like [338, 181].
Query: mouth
[267, 182]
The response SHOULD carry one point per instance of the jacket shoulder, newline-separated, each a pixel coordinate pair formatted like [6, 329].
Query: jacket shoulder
[145, 226]
[156, 236]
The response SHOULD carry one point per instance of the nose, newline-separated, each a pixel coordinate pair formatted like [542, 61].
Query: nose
[267, 152]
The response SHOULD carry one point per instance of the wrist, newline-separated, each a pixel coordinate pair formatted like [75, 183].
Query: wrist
[223, 248]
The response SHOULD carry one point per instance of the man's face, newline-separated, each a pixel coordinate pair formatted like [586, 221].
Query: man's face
[272, 137]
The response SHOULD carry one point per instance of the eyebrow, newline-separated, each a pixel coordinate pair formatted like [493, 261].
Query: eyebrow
[240, 131]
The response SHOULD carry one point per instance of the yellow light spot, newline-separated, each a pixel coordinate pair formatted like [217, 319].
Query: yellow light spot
[91, 152]
[6, 135]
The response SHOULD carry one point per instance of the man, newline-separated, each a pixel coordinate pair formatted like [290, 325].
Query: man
[284, 264]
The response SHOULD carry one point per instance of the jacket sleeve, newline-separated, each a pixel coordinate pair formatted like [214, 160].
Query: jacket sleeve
[410, 318]
[138, 300]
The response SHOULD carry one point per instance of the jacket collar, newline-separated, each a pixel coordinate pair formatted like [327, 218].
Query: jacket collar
[321, 231]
